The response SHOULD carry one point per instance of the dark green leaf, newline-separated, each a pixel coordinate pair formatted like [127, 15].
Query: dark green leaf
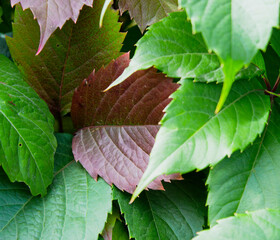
[26, 131]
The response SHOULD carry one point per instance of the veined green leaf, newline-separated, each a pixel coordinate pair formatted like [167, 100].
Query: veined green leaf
[26, 131]
[76, 206]
[193, 137]
[259, 225]
[170, 46]
[247, 181]
[235, 30]
[175, 214]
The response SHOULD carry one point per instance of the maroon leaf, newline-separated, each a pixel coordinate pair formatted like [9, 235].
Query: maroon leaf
[139, 100]
[119, 155]
[52, 14]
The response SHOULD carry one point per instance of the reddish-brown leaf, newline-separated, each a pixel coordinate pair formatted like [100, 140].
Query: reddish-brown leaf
[139, 100]
[119, 154]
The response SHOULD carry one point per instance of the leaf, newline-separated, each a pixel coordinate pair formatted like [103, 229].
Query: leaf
[170, 46]
[234, 30]
[69, 56]
[52, 14]
[107, 232]
[259, 225]
[275, 40]
[193, 137]
[76, 206]
[177, 213]
[26, 131]
[247, 181]
[119, 155]
[120, 232]
[3, 45]
[147, 12]
[140, 100]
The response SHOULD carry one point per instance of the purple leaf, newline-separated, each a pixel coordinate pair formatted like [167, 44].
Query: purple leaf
[119, 154]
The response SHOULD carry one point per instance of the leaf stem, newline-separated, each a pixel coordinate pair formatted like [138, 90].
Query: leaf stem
[276, 84]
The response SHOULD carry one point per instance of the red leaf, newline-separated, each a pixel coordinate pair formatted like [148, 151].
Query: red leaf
[139, 100]
[52, 14]
[119, 155]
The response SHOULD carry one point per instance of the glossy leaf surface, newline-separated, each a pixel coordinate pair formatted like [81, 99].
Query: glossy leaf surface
[69, 56]
[139, 100]
[52, 14]
[147, 12]
[247, 181]
[177, 213]
[26, 131]
[192, 136]
[234, 30]
[258, 225]
[76, 206]
[119, 155]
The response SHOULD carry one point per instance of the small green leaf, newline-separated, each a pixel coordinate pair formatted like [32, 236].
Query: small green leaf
[76, 206]
[26, 131]
[177, 213]
[249, 180]
[259, 225]
[234, 30]
[193, 137]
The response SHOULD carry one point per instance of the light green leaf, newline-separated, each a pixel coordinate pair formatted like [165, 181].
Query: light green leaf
[247, 181]
[177, 213]
[259, 225]
[235, 30]
[193, 137]
[26, 131]
[76, 206]
[170, 46]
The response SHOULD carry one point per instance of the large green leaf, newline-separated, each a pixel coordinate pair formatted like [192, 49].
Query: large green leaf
[193, 137]
[235, 30]
[170, 46]
[76, 206]
[69, 56]
[177, 213]
[26, 131]
[258, 225]
[247, 181]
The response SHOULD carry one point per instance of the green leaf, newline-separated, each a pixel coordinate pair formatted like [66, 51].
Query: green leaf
[247, 181]
[26, 131]
[120, 232]
[234, 30]
[193, 137]
[76, 206]
[259, 225]
[69, 56]
[170, 46]
[275, 40]
[177, 213]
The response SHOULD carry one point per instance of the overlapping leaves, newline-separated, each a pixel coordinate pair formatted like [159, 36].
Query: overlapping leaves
[52, 14]
[193, 137]
[176, 213]
[234, 30]
[76, 206]
[170, 46]
[27, 143]
[120, 154]
[69, 56]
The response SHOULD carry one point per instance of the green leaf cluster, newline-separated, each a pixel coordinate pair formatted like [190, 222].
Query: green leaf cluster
[219, 136]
